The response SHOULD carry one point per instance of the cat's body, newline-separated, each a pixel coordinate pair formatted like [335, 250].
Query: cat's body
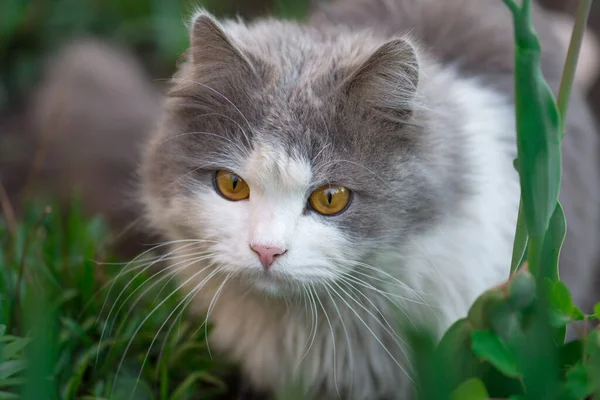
[420, 128]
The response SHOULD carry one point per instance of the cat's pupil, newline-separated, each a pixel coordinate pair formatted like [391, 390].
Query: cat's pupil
[329, 196]
[234, 181]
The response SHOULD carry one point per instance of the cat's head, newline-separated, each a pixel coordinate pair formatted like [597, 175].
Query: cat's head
[295, 155]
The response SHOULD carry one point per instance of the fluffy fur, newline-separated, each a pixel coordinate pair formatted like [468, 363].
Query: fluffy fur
[419, 128]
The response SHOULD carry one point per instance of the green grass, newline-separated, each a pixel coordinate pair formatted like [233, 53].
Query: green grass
[57, 286]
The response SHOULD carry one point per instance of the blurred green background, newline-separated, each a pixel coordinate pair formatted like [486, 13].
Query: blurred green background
[31, 30]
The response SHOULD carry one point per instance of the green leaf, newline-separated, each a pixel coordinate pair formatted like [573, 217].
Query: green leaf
[571, 353]
[520, 243]
[490, 347]
[577, 315]
[597, 310]
[188, 384]
[8, 396]
[538, 133]
[553, 241]
[562, 304]
[473, 389]
[577, 385]
[12, 382]
[10, 368]
[12, 349]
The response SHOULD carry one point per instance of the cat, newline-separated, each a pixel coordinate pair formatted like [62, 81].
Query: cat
[330, 181]
[396, 114]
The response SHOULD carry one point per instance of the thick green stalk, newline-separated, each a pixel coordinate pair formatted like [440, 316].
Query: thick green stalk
[568, 76]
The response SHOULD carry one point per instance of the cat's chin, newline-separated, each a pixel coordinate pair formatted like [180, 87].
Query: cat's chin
[269, 285]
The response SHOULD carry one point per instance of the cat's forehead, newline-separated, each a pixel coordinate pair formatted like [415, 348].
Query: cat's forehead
[270, 167]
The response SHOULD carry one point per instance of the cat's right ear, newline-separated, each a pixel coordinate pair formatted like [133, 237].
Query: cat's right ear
[387, 81]
[213, 50]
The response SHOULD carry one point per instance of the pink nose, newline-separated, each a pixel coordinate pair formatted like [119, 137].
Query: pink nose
[267, 254]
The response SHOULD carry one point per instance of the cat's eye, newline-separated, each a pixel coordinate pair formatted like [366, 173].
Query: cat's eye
[231, 186]
[330, 199]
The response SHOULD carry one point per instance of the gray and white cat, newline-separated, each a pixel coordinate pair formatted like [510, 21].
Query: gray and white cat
[321, 177]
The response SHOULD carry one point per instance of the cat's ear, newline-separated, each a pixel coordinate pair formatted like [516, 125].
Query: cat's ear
[213, 49]
[215, 61]
[387, 81]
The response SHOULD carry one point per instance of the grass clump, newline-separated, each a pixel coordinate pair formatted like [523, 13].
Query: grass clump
[57, 338]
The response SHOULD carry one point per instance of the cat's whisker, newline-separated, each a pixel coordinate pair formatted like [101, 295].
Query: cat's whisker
[134, 268]
[341, 319]
[213, 302]
[218, 94]
[143, 268]
[388, 295]
[387, 327]
[334, 355]
[195, 105]
[238, 147]
[383, 346]
[175, 269]
[321, 151]
[193, 242]
[340, 160]
[124, 269]
[183, 302]
[108, 283]
[401, 284]
[313, 326]
[182, 285]
[179, 178]
[196, 290]
[349, 285]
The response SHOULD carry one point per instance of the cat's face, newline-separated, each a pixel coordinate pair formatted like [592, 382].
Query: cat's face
[295, 158]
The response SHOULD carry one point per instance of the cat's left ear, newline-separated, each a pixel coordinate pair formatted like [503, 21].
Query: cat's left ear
[387, 81]
[215, 51]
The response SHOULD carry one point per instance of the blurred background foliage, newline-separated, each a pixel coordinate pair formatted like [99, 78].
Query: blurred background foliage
[31, 30]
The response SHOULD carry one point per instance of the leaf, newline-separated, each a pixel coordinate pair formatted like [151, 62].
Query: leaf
[188, 383]
[562, 304]
[8, 396]
[571, 353]
[10, 368]
[490, 347]
[577, 385]
[538, 127]
[520, 243]
[597, 310]
[12, 382]
[593, 352]
[577, 315]
[12, 349]
[553, 240]
[473, 389]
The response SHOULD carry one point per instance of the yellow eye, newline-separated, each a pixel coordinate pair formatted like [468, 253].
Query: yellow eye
[231, 186]
[329, 200]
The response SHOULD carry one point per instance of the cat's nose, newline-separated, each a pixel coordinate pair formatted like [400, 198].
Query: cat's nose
[267, 254]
